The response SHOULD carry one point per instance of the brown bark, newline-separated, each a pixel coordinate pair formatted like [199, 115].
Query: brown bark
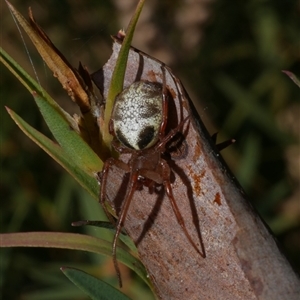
[242, 258]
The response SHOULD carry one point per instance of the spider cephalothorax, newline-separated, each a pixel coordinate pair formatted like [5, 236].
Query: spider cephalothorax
[138, 123]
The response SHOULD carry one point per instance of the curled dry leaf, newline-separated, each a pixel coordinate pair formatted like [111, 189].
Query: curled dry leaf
[77, 83]
[61, 68]
[242, 259]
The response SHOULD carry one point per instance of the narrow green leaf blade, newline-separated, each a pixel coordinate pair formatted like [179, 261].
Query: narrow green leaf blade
[59, 122]
[95, 288]
[29, 83]
[107, 225]
[76, 148]
[119, 72]
[57, 153]
[72, 241]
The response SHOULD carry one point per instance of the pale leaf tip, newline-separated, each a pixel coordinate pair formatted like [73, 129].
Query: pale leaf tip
[8, 109]
[287, 72]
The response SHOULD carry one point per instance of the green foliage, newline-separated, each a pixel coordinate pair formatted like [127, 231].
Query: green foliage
[96, 289]
[73, 153]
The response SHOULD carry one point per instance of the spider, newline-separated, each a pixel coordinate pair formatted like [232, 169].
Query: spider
[138, 124]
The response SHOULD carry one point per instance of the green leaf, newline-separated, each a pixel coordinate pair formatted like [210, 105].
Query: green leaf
[57, 153]
[29, 83]
[76, 148]
[72, 241]
[95, 288]
[107, 225]
[62, 126]
[117, 79]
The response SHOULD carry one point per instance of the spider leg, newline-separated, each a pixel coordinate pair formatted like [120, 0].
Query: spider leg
[225, 144]
[129, 194]
[168, 188]
[161, 145]
[102, 199]
[102, 196]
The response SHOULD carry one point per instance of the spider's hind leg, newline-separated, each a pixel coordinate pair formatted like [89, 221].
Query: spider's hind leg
[168, 188]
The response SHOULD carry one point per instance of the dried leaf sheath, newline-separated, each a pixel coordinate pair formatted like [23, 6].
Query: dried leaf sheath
[77, 83]
[243, 261]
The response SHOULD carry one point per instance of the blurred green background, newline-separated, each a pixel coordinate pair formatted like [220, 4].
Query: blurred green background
[229, 55]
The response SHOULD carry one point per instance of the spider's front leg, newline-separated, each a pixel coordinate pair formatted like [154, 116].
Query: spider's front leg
[103, 181]
[133, 182]
[102, 199]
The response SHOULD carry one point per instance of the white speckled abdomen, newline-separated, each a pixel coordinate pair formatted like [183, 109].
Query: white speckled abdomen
[137, 115]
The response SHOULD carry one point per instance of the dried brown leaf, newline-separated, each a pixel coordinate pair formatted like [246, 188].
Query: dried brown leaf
[243, 261]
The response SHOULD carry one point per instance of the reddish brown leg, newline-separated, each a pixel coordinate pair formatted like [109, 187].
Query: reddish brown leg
[102, 199]
[161, 145]
[168, 188]
[129, 194]
[225, 144]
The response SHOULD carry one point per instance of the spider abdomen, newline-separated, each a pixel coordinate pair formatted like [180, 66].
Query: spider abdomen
[137, 115]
